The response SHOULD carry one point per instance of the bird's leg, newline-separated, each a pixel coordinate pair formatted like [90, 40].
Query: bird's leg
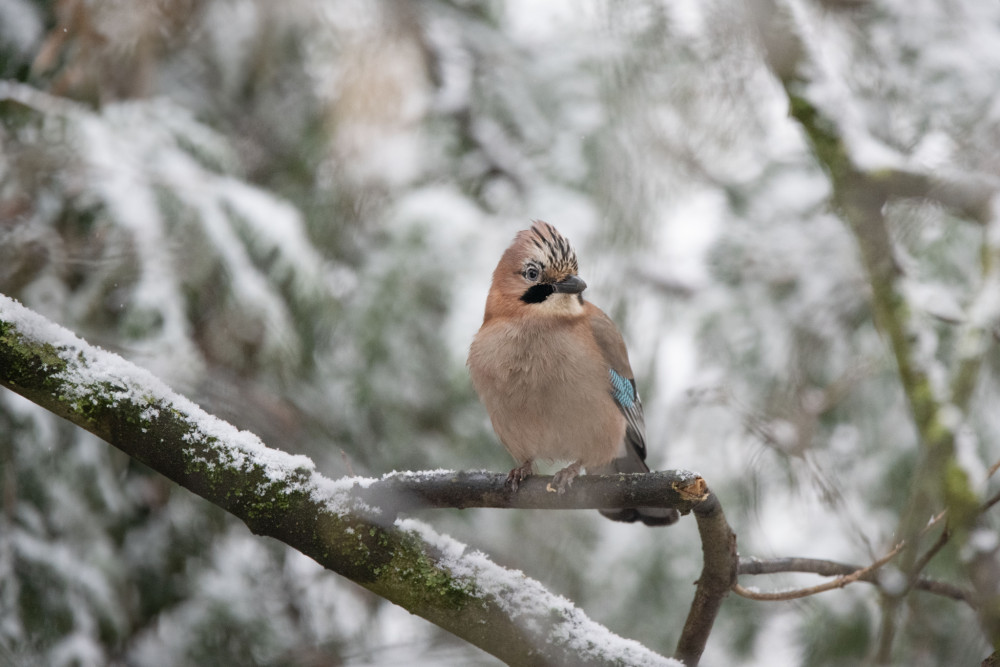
[563, 479]
[519, 474]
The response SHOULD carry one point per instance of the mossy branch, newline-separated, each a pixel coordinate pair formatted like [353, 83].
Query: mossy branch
[350, 526]
[859, 195]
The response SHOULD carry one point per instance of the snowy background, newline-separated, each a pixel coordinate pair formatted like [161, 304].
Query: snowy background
[290, 214]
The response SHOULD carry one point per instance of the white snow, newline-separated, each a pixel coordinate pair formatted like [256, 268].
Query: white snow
[591, 122]
[983, 540]
[20, 25]
[525, 598]
[531, 604]
[89, 369]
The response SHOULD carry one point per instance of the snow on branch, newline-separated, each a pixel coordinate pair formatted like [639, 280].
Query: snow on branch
[841, 144]
[860, 194]
[336, 523]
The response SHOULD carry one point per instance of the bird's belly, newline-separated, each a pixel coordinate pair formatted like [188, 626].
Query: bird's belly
[559, 420]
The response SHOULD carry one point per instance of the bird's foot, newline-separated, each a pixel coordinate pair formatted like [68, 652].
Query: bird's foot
[563, 479]
[518, 475]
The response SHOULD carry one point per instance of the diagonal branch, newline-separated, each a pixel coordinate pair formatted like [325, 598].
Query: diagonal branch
[859, 196]
[334, 522]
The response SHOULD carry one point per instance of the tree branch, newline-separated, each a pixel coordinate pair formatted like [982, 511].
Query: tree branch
[865, 573]
[334, 522]
[969, 196]
[828, 568]
[859, 195]
[839, 582]
[409, 491]
[718, 544]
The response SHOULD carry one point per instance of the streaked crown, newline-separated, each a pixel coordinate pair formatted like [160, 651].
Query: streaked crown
[549, 251]
[540, 264]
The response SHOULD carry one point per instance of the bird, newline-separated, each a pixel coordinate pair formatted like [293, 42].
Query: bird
[553, 372]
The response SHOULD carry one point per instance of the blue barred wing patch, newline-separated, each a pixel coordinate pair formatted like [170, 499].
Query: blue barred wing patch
[624, 393]
[622, 389]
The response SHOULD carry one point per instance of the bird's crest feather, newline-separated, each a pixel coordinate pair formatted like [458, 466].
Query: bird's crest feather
[551, 249]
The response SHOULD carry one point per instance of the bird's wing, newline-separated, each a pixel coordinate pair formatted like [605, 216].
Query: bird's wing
[621, 385]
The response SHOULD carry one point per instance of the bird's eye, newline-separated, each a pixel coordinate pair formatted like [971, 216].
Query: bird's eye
[531, 273]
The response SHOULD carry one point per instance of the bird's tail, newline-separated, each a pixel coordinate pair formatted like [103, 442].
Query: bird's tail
[651, 516]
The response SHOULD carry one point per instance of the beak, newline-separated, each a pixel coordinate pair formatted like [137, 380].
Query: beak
[570, 285]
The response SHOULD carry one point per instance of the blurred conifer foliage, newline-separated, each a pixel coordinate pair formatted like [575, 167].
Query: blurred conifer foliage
[290, 211]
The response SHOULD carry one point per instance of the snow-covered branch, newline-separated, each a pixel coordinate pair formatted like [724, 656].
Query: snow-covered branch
[860, 193]
[337, 523]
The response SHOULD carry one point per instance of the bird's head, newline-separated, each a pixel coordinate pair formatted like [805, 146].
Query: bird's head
[537, 275]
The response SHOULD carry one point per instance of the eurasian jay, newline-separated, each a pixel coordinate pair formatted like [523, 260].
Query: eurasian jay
[553, 371]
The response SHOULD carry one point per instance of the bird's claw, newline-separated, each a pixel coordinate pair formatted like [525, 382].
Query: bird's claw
[518, 475]
[563, 479]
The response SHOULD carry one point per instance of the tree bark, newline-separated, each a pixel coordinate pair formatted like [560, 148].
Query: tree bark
[718, 545]
[350, 526]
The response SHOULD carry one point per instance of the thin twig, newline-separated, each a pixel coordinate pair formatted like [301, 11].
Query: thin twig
[996, 497]
[828, 568]
[991, 502]
[923, 561]
[839, 582]
[844, 580]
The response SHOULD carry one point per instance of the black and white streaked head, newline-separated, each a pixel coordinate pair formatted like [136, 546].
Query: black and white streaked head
[537, 275]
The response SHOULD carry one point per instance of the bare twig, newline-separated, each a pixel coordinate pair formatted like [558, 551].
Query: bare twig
[827, 568]
[860, 574]
[924, 560]
[839, 582]
[994, 499]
